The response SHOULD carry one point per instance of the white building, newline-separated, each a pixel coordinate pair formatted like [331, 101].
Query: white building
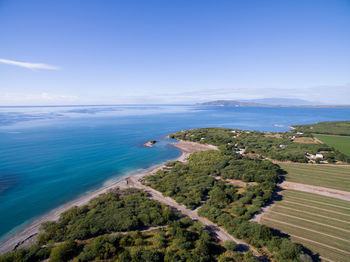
[314, 157]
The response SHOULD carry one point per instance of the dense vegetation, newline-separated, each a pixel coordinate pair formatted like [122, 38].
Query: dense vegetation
[331, 127]
[279, 146]
[191, 183]
[177, 239]
[182, 240]
[202, 182]
[257, 235]
[112, 212]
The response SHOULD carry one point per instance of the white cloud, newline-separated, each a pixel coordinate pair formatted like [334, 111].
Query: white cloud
[13, 99]
[29, 65]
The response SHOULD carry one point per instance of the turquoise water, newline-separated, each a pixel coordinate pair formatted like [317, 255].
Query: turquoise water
[51, 155]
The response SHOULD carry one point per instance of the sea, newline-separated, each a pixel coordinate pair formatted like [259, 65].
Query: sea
[52, 155]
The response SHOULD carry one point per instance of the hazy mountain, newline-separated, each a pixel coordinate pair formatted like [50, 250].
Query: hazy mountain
[270, 102]
[229, 103]
[282, 101]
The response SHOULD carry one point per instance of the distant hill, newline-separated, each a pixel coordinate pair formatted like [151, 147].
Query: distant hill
[229, 103]
[282, 101]
[270, 102]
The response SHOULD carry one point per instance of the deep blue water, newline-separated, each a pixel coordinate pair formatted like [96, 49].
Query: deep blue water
[50, 155]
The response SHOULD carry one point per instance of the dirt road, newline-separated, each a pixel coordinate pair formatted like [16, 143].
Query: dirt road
[219, 232]
[343, 195]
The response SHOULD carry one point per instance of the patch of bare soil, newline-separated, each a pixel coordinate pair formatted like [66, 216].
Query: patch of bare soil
[275, 135]
[343, 195]
[306, 140]
[236, 182]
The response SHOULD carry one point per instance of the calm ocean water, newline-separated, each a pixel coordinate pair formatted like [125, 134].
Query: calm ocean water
[50, 155]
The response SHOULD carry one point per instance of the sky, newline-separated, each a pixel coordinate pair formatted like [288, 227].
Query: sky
[181, 51]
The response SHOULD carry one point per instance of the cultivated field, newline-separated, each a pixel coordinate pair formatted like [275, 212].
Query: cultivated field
[320, 223]
[336, 177]
[305, 140]
[341, 143]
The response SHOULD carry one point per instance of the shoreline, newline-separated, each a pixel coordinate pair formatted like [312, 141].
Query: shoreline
[26, 236]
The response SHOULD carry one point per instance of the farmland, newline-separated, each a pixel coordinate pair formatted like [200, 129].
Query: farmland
[320, 223]
[305, 140]
[336, 177]
[332, 128]
[341, 143]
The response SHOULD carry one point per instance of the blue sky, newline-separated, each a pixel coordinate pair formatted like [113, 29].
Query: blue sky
[112, 52]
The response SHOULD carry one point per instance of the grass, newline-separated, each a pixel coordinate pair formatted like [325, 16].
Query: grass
[318, 198]
[319, 205]
[336, 177]
[333, 128]
[341, 143]
[324, 211]
[320, 223]
[315, 217]
[333, 255]
[318, 239]
[323, 228]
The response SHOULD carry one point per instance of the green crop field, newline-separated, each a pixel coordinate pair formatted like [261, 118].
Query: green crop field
[341, 143]
[336, 177]
[332, 128]
[320, 223]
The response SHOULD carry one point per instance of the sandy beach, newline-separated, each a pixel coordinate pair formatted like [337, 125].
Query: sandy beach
[27, 235]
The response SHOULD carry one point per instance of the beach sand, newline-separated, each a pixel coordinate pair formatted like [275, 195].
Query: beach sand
[27, 235]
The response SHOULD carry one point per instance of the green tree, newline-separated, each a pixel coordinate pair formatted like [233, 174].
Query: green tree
[230, 245]
[63, 252]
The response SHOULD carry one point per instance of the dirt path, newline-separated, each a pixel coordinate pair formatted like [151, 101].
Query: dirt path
[158, 196]
[325, 259]
[236, 182]
[323, 191]
[306, 164]
[318, 140]
[220, 233]
[188, 148]
[85, 241]
[259, 216]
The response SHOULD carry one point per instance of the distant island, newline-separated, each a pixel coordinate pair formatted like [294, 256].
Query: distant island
[269, 102]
